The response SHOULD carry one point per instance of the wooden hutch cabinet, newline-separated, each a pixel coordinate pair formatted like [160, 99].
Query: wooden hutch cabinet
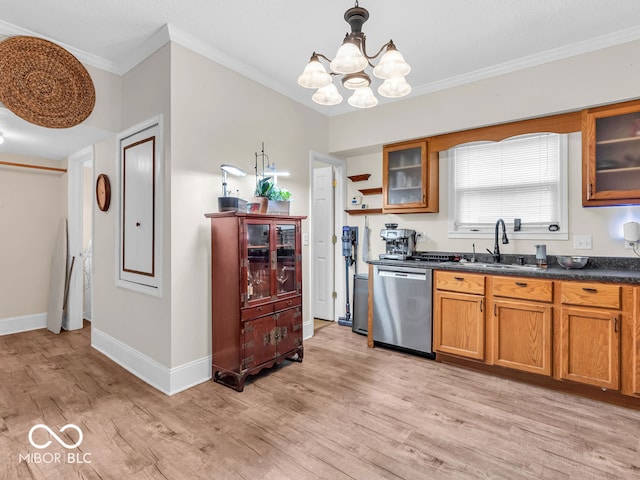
[256, 294]
[611, 155]
[409, 178]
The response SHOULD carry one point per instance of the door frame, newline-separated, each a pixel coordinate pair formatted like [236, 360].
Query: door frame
[75, 199]
[339, 218]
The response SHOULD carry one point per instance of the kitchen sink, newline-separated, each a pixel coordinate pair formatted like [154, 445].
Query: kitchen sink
[500, 266]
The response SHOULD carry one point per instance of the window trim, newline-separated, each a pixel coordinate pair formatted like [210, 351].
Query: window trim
[531, 233]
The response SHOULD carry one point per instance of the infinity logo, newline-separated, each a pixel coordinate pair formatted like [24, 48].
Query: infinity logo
[53, 434]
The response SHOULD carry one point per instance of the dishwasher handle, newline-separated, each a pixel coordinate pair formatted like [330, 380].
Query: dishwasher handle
[406, 275]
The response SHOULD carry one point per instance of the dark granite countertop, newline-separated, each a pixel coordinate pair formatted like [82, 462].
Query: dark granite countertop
[598, 269]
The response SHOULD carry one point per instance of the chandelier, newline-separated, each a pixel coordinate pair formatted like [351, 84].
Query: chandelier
[351, 60]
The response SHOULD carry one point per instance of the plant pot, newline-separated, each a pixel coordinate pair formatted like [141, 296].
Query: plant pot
[278, 207]
[258, 205]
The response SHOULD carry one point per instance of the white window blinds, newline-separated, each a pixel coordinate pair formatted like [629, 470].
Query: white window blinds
[520, 177]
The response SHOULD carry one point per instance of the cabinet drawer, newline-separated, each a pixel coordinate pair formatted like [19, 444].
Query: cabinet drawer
[253, 312]
[460, 282]
[591, 294]
[524, 288]
[288, 303]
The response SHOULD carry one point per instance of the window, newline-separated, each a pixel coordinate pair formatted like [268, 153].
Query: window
[521, 177]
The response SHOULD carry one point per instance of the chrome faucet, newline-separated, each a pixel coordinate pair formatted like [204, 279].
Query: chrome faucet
[505, 241]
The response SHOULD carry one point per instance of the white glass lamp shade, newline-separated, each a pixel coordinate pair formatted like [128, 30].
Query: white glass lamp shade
[394, 88]
[392, 65]
[1, 137]
[363, 98]
[354, 81]
[349, 59]
[314, 75]
[327, 95]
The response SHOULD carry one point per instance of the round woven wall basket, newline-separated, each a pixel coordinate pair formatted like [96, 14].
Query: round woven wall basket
[43, 83]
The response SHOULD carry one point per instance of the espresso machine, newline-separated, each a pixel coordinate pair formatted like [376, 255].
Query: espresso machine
[400, 242]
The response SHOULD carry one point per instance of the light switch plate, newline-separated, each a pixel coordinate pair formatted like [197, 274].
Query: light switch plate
[582, 242]
[305, 239]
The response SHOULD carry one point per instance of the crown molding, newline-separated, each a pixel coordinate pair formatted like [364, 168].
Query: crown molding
[548, 56]
[169, 33]
[10, 30]
[198, 46]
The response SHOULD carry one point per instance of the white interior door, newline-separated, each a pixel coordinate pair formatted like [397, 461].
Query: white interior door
[323, 251]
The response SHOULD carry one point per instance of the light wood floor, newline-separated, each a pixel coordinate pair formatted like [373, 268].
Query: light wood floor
[346, 412]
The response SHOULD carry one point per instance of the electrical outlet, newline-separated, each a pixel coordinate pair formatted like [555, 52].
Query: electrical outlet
[630, 245]
[582, 242]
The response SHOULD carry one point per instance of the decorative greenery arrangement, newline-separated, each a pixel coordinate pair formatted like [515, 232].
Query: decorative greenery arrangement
[280, 194]
[266, 188]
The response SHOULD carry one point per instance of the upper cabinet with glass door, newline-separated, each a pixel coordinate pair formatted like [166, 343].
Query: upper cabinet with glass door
[409, 178]
[611, 155]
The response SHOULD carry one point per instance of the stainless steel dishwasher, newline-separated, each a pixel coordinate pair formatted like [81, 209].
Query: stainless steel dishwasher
[402, 307]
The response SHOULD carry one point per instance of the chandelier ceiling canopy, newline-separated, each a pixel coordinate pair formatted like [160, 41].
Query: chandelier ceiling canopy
[350, 61]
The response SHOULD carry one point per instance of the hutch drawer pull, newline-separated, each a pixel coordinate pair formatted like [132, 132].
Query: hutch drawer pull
[260, 309]
[289, 302]
[460, 279]
[521, 284]
[590, 290]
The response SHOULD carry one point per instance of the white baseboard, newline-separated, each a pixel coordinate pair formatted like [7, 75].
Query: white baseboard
[168, 380]
[23, 323]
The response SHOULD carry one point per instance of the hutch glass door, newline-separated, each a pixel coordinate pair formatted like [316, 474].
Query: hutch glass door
[258, 261]
[286, 272]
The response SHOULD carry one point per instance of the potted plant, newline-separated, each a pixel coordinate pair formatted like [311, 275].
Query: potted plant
[279, 201]
[260, 201]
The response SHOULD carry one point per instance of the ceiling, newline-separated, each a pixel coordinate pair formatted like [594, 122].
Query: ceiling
[446, 42]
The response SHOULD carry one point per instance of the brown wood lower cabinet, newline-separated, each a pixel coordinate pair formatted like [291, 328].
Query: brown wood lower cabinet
[590, 346]
[521, 323]
[590, 325]
[459, 326]
[522, 336]
[581, 335]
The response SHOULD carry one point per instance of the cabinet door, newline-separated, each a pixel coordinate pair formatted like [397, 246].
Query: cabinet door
[258, 342]
[459, 324]
[258, 282]
[590, 346]
[522, 336]
[288, 330]
[287, 266]
[409, 178]
[611, 155]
